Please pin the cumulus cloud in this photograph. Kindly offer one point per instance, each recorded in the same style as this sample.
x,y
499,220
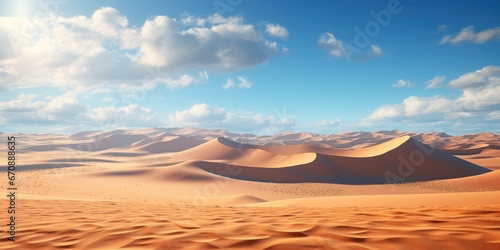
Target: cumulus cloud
x,y
204,115
489,75
467,34
130,116
228,44
435,82
402,83
276,30
241,82
477,103
27,109
104,50
66,109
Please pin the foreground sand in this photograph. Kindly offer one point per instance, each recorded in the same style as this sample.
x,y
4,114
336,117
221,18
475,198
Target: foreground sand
x,y
66,224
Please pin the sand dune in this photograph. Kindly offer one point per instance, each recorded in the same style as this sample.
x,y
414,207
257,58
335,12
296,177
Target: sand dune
x,y
399,160
188,188
167,144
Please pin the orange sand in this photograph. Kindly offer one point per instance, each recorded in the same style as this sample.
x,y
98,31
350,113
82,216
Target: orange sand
x,y
193,189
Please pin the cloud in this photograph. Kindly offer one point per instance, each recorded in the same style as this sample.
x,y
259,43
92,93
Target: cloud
x,y
130,116
204,115
27,110
495,115
442,28
489,75
242,82
276,30
339,49
402,83
435,82
477,104
183,81
66,110
105,51
467,34
324,125
375,50
193,20
332,45
228,44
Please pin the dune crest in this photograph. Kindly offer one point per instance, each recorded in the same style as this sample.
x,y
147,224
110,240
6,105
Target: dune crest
x,y
402,159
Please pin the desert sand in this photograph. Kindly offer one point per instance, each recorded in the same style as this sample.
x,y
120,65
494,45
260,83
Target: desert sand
x,y
186,188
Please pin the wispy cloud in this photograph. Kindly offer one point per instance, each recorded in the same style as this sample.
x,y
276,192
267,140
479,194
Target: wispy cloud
x,y
339,49
240,82
402,83
435,82
467,34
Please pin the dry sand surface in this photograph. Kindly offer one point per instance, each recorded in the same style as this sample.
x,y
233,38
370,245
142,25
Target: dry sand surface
x,y
210,189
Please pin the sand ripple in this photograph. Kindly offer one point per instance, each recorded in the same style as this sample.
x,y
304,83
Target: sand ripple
x,y
47,224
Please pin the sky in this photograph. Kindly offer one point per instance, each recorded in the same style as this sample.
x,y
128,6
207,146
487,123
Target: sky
x,y
261,67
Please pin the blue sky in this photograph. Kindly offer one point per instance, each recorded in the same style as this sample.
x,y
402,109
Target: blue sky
x,y
250,66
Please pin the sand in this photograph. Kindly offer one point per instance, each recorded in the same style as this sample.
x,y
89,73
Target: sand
x,y
189,188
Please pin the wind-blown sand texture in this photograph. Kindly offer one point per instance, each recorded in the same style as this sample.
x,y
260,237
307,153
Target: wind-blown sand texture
x,y
210,189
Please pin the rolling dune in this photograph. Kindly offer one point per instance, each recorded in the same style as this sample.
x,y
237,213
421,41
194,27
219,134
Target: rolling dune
x,y
400,160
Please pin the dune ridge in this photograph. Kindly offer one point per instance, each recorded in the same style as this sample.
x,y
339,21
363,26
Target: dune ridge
x,y
403,157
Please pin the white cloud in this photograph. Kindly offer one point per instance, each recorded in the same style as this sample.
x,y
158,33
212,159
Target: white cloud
x,y
108,21
198,114
229,44
376,50
489,75
435,82
26,110
229,83
327,123
105,51
242,83
478,104
402,83
495,115
276,30
332,45
339,49
193,20
467,34
385,112
204,115
183,81
130,116
66,110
